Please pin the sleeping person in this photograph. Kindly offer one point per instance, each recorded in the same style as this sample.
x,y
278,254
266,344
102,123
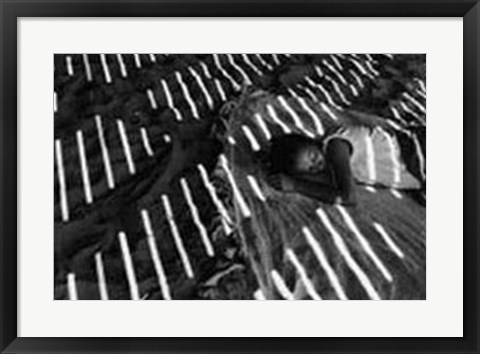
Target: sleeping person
x,y
317,169
330,168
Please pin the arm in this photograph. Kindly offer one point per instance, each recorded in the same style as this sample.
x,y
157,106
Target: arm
x,y
309,188
338,153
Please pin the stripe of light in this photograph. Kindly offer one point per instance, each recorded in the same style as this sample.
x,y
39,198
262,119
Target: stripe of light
x,y
213,194
273,114
336,62
309,92
330,100
256,188
61,180
335,71
314,84
102,282
396,114
146,141
396,193
353,89
394,158
106,71
72,287
365,244
327,110
121,64
219,66
258,295
315,119
251,138
138,62
88,70
303,275
370,189
236,191
55,102
337,89
263,62
296,119
168,94
409,110
251,65
105,155
421,93
186,94
318,71
421,159
352,264
68,59
422,85
157,262
388,240
196,217
372,69
176,236
276,59
263,126
220,90
200,83
128,264
84,167
395,125
238,68
372,172
231,140
357,78
205,70
361,68
281,286
126,146
169,98
151,99
322,258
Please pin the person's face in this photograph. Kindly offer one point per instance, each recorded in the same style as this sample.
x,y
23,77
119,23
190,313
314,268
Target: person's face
x,y
309,159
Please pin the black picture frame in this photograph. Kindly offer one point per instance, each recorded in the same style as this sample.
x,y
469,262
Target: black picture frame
x,y
12,10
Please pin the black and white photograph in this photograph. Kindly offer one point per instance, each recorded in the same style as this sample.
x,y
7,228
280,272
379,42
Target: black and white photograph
x,y
239,176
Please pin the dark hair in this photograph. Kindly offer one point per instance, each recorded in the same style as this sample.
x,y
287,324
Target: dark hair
x,y
284,150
